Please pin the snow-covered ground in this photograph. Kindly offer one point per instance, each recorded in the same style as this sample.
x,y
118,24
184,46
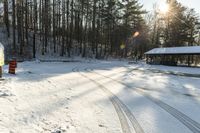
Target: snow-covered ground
x,y
99,97
184,70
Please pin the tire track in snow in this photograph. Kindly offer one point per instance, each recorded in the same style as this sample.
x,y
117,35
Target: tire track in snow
x,y
122,110
191,124
121,116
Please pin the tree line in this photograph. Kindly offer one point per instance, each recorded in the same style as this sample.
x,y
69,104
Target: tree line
x,y
98,28
90,27
180,26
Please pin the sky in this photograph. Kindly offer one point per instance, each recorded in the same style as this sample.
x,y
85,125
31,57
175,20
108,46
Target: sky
x,y
148,4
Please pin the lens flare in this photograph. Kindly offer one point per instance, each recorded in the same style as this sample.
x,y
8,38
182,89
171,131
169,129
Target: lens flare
x,y
136,34
122,46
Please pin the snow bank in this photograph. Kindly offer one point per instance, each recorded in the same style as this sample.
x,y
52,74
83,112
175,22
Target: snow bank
x,y
1,55
185,70
1,9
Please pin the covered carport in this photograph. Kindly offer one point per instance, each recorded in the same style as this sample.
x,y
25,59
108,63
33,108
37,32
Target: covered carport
x,y
173,56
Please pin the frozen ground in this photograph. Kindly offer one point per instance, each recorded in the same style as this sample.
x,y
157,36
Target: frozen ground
x,y
99,97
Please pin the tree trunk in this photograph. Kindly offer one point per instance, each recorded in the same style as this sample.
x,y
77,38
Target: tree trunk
x,y
14,21
6,20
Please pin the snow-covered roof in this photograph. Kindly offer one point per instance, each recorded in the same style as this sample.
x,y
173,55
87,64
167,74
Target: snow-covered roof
x,y
175,50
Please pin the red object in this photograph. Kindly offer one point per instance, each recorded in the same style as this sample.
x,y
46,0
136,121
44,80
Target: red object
x,y
12,66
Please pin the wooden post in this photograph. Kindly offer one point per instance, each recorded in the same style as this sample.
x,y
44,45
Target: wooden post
x,y
188,60
1,71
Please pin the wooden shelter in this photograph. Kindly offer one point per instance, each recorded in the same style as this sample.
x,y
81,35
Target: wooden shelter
x,y
174,56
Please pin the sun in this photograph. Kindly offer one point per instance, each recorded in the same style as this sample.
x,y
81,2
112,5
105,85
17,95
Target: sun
x,y
163,7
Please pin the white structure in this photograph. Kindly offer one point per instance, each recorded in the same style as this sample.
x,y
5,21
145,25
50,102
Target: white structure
x,y
191,50
1,55
174,55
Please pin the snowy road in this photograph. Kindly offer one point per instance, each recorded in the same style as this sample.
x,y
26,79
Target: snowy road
x,y
99,97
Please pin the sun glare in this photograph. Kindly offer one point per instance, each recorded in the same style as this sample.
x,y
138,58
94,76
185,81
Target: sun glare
x,y
136,34
163,7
